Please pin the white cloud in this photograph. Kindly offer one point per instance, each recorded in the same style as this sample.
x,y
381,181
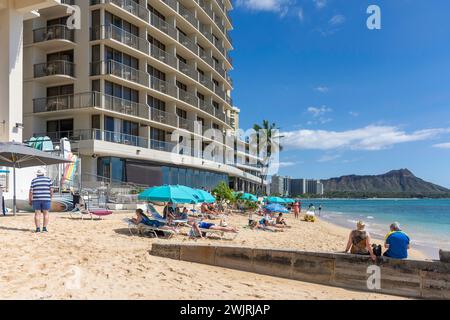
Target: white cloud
x,y
329,157
322,89
442,145
301,14
318,112
354,114
373,137
320,3
337,20
284,164
265,5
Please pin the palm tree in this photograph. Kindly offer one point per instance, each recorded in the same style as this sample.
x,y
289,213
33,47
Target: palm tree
x,y
269,132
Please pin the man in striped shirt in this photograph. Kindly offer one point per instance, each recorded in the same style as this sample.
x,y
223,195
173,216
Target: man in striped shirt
x,y
40,197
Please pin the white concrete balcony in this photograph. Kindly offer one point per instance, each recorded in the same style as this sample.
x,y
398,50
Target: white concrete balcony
x,y
57,37
52,72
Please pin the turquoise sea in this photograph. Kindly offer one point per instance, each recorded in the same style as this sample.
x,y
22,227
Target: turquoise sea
x,y
427,221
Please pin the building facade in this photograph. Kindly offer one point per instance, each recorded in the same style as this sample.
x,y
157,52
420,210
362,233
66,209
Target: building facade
x,y
280,185
305,186
142,89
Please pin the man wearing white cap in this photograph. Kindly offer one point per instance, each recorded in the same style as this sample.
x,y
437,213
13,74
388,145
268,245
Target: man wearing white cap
x,y
40,197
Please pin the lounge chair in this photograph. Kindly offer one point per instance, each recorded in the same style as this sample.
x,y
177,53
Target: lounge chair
x,y
155,232
156,216
211,232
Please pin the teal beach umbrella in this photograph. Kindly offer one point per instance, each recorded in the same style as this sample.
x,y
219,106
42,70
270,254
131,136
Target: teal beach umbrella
x,y
274,200
174,194
205,196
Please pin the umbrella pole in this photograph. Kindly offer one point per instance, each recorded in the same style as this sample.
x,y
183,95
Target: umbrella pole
x,y
14,191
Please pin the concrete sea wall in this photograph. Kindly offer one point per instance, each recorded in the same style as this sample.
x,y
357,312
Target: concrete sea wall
x,y
417,279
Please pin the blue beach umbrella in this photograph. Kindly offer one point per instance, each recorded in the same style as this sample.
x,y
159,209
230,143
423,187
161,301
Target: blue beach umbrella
x,y
275,207
174,194
289,200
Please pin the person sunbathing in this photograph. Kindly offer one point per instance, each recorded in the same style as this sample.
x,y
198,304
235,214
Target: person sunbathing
x,y
197,226
141,218
205,209
266,225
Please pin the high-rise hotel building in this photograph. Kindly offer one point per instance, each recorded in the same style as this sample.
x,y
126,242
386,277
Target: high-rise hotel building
x,y
133,73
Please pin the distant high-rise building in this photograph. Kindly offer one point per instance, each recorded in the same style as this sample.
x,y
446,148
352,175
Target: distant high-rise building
x,y
280,185
298,187
305,186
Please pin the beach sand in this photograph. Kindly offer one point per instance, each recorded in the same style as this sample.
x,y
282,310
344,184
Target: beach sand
x,y
101,260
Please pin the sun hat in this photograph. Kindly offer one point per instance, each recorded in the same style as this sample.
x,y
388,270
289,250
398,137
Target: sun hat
x,y
360,225
40,172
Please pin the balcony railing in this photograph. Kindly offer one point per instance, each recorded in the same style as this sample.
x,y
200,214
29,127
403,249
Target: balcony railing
x,y
53,68
130,6
163,26
56,32
120,70
65,102
187,70
120,35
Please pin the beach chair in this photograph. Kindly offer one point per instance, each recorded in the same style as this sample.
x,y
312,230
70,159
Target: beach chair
x,y
207,233
144,229
156,216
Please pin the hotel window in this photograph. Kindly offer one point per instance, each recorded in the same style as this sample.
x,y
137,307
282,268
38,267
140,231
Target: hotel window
x,y
201,120
116,90
156,12
181,113
216,106
111,19
216,126
200,96
95,121
216,61
96,85
157,134
182,32
216,83
181,59
63,127
156,73
156,43
63,55
118,56
156,103
96,19
216,39
60,90
181,86
201,72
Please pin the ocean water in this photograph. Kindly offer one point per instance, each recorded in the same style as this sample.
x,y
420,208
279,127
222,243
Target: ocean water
x,y
426,221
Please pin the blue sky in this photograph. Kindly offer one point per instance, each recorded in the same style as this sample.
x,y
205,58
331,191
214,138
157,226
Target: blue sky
x,y
349,100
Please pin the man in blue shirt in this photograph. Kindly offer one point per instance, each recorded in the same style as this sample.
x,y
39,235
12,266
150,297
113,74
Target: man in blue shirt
x,y
397,243
40,197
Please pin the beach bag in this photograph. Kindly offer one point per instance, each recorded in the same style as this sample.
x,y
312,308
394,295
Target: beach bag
x,y
377,251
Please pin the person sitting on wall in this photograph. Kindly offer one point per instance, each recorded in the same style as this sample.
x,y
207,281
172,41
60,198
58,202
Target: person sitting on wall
x,y
359,241
397,243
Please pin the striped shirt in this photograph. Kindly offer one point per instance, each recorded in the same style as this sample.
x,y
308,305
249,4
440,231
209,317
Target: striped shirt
x,y
40,188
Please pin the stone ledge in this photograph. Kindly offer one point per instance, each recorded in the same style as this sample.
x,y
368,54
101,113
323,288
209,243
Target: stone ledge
x,y
410,278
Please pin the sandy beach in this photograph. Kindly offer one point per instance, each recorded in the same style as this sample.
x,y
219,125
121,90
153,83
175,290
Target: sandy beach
x,y
101,260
